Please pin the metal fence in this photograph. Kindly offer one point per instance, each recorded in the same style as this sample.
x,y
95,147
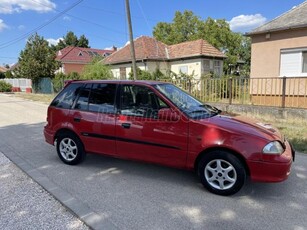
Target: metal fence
x,y
285,92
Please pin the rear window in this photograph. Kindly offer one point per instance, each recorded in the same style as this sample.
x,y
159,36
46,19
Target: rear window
x,y
67,96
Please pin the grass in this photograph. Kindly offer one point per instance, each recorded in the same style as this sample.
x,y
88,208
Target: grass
x,y
295,129
45,98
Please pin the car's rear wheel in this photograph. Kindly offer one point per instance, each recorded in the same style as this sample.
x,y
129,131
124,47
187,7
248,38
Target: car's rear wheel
x,y
221,173
70,149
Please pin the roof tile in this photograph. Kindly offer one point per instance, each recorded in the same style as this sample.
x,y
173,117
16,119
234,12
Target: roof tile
x,y
147,48
79,54
294,18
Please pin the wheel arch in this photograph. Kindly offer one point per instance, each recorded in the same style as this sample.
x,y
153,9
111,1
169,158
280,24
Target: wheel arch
x,y
62,131
232,152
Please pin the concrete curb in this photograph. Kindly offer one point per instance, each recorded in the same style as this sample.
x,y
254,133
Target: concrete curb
x,y
76,206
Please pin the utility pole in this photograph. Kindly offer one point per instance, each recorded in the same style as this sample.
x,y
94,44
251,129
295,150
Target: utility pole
x,y
131,40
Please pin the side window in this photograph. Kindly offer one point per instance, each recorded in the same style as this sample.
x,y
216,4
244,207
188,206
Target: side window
x,y
82,101
67,96
140,101
102,98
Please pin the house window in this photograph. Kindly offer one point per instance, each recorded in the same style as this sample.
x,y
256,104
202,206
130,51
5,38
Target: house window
x,y
122,73
206,66
293,63
183,69
304,62
217,68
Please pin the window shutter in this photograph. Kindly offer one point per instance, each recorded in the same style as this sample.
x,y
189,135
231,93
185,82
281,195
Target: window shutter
x,y
290,64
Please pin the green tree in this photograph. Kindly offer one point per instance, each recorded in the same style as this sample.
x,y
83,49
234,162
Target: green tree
x,y
9,74
83,42
70,39
185,27
188,27
37,60
96,70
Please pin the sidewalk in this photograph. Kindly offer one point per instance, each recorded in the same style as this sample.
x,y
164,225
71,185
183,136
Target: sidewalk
x,y
24,204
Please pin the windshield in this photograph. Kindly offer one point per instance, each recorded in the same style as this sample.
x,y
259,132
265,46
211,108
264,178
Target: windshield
x,y
186,103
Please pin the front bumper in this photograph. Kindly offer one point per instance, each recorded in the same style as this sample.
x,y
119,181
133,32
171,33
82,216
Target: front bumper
x,y
275,170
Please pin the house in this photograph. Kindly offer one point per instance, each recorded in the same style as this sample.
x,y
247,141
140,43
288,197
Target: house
x,y
279,49
193,58
73,59
3,69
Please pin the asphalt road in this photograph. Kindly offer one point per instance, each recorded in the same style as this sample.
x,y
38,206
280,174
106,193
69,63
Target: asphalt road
x,y
109,193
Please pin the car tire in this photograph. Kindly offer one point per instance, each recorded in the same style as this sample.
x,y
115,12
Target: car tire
x,y
221,173
70,149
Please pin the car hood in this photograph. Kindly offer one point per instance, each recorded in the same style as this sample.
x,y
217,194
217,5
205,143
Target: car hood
x,y
245,125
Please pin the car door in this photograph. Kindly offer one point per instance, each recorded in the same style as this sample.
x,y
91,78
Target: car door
x,y
141,135
93,117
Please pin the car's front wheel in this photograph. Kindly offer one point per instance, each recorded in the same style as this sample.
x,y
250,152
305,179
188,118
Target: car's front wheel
x,y
221,173
70,149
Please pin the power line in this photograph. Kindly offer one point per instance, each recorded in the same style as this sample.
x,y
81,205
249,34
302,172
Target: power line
x,y
8,57
116,13
9,43
81,19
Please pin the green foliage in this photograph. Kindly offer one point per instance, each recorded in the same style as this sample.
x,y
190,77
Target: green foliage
x,y
37,60
70,39
185,27
73,76
5,87
96,70
146,75
58,81
2,75
141,74
83,42
188,27
9,74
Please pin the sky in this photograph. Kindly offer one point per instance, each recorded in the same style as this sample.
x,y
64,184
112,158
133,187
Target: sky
x,y
104,22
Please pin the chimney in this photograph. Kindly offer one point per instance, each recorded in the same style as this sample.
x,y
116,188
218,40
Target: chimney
x,y
114,48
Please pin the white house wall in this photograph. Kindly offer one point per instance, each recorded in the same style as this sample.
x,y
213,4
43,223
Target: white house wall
x,y
193,65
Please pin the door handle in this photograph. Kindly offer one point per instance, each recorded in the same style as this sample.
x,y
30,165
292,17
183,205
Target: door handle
x,y
77,119
126,125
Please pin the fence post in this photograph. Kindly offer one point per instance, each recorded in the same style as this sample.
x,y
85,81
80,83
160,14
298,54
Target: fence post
x,y
283,96
230,90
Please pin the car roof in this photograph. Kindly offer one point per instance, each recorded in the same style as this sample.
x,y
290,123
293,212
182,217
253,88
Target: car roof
x,y
138,82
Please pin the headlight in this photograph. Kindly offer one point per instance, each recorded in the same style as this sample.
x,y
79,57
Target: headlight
x,y
273,147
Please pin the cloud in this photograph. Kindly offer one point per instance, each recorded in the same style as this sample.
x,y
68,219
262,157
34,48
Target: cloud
x,y
21,27
244,23
2,25
17,6
53,41
66,18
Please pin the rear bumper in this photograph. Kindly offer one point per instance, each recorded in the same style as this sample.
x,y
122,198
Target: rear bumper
x,y
49,135
276,170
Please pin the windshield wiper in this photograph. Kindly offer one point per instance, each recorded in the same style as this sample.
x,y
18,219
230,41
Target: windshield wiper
x,y
198,111
211,108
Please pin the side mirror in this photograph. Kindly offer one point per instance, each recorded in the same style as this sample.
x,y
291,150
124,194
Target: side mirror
x,y
168,115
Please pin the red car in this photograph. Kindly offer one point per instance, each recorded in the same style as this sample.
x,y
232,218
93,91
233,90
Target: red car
x,y
159,123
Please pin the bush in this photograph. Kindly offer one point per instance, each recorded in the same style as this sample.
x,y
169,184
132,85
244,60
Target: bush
x,y
60,78
58,82
5,87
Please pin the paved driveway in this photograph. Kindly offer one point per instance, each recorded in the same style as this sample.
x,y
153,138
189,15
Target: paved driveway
x,y
110,193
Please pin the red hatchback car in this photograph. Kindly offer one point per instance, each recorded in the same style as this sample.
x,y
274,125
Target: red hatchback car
x,y
159,123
